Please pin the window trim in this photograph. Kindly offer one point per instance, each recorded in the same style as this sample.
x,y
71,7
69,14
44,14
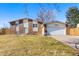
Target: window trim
x,y
35,27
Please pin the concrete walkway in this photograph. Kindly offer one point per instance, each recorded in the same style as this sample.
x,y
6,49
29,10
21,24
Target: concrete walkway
x,y
69,40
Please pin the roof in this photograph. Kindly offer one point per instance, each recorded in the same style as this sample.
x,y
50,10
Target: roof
x,y
20,19
26,19
56,22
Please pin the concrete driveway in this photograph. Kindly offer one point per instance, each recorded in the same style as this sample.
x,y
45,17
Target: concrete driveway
x,y
69,40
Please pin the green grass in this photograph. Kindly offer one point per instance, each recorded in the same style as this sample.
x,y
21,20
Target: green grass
x,y
31,45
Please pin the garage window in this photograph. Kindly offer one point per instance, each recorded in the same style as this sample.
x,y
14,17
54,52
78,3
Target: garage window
x,y
56,24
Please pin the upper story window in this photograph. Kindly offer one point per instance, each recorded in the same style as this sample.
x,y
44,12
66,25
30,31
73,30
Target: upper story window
x,y
34,25
17,23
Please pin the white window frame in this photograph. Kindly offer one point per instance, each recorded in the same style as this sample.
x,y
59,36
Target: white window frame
x,y
35,28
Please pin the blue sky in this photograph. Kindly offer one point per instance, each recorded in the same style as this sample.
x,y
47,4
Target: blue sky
x,y
9,11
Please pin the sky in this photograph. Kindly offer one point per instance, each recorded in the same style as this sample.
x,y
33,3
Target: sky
x,y
15,11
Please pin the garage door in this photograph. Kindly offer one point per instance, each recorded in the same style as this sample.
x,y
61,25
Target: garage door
x,y
56,31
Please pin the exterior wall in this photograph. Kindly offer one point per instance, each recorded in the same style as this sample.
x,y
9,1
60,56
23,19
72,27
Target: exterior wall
x,y
40,28
24,23
37,30
26,26
12,28
30,27
21,28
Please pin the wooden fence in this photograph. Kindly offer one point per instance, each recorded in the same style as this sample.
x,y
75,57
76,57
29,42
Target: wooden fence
x,y
72,31
5,31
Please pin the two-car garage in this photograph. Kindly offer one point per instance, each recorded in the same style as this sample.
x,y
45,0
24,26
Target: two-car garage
x,y
56,28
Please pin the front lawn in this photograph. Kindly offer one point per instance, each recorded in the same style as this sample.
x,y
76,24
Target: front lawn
x,y
33,45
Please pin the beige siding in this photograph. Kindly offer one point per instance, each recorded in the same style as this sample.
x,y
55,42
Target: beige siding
x,y
72,31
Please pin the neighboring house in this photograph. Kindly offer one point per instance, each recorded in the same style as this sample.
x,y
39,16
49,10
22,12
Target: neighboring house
x,y
27,26
56,28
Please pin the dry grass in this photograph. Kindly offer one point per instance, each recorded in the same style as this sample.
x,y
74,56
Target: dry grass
x,y
32,45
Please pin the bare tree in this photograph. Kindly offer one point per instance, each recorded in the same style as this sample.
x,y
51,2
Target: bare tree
x,y
50,16
41,15
45,14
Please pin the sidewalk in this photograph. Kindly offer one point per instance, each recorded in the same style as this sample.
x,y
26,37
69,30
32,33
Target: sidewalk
x,y
69,40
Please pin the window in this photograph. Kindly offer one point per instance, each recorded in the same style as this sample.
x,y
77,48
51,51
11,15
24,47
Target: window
x,y
34,25
17,24
56,24
25,24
